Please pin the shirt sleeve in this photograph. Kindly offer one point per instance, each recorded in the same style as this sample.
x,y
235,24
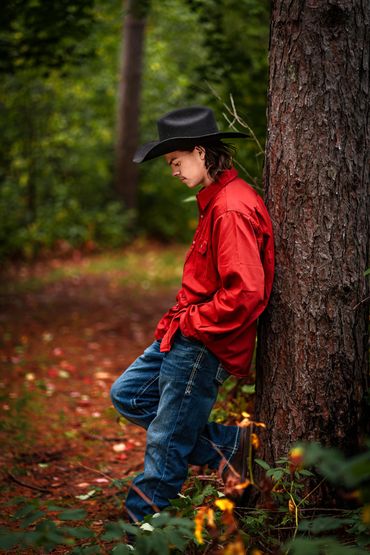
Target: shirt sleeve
x,y
240,299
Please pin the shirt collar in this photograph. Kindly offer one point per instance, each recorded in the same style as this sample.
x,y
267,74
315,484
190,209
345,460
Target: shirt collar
x,y
206,194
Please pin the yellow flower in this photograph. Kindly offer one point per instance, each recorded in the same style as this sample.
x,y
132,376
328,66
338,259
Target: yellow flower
x,y
225,504
235,548
366,515
211,518
291,506
243,485
255,440
198,521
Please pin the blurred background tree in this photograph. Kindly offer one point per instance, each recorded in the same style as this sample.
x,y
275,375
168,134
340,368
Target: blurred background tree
x,y
60,70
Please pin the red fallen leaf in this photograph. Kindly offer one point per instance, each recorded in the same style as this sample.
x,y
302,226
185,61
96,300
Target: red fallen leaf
x,y
121,457
94,346
53,372
67,366
84,402
58,352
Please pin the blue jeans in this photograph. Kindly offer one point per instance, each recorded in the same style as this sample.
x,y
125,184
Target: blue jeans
x,y
171,395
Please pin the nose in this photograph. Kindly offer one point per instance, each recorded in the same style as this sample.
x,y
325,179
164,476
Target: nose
x,y
175,172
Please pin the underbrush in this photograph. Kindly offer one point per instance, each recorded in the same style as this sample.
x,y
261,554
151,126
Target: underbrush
x,y
203,520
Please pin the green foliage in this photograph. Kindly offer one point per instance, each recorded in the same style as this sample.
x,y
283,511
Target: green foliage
x,y
45,533
288,525
58,107
352,473
235,37
40,527
43,35
322,546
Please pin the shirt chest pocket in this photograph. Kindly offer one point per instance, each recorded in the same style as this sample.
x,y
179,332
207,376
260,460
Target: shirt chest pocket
x,y
202,247
202,261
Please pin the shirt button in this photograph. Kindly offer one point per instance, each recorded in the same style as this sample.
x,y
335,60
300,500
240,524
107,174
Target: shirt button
x,y
193,243
202,216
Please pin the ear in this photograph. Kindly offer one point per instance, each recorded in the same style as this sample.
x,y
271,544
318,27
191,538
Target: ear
x,y
201,151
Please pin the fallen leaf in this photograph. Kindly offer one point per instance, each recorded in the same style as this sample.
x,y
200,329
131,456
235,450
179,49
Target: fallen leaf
x,y
119,447
67,366
86,495
103,375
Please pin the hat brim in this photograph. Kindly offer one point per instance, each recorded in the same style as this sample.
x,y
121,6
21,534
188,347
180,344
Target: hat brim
x,y
154,149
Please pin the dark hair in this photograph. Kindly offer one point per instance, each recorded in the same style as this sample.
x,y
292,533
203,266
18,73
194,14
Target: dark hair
x,y
218,155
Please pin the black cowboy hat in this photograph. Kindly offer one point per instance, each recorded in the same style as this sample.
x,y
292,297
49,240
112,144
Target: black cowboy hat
x,y
182,128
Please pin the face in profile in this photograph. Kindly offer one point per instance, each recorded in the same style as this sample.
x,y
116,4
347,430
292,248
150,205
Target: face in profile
x,y
189,167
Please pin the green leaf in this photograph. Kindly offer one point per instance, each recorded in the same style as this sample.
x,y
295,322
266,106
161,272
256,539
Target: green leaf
x,y
115,530
176,538
8,540
275,473
305,472
87,550
122,549
31,518
249,389
208,490
25,511
78,532
72,514
324,524
263,464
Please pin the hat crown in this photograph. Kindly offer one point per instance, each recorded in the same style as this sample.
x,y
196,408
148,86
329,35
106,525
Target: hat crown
x,y
195,121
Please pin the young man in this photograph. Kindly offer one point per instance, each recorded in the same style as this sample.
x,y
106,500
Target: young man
x,y
210,332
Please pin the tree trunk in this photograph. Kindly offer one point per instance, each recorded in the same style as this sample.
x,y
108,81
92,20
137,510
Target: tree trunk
x,y
127,172
312,350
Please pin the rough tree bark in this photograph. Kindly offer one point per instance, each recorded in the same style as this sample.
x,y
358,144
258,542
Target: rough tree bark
x,y
312,351
127,172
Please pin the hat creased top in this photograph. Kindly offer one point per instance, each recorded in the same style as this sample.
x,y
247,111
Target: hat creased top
x,y
195,122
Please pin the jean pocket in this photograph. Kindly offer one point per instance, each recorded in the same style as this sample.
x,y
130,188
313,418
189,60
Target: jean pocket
x,y
221,375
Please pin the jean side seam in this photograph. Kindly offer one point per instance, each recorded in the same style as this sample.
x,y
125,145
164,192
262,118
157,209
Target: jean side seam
x,y
167,452
195,369
197,362
236,444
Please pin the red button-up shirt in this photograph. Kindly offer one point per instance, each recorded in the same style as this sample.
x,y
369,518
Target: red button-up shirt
x,y
228,274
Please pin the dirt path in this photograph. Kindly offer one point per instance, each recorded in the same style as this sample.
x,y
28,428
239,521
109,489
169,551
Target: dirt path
x,y
62,345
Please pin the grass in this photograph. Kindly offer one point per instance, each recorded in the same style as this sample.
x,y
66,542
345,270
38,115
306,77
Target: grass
x,y
139,265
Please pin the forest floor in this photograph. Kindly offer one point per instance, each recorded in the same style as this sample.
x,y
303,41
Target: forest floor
x,y
68,328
